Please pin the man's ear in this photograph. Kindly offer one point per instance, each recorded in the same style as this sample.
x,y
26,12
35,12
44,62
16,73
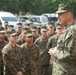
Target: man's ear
x,y
69,14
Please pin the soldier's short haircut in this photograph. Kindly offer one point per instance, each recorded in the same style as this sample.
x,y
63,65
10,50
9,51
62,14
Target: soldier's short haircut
x,y
34,27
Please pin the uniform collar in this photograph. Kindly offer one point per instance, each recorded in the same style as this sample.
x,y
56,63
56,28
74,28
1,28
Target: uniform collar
x,y
69,25
28,47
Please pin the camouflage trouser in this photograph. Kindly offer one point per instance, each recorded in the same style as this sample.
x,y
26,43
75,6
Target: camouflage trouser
x,y
44,70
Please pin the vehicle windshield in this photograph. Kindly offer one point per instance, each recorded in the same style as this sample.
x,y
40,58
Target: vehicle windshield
x,y
39,19
34,19
9,19
52,18
44,19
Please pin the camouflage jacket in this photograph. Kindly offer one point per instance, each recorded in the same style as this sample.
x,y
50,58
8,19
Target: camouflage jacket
x,y
52,42
20,41
12,58
65,55
41,43
2,44
31,55
43,60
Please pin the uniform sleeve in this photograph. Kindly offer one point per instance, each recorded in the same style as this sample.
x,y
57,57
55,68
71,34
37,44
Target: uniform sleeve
x,y
11,63
37,41
64,47
49,44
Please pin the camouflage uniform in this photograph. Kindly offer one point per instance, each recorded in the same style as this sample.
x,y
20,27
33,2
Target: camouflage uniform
x,y
50,35
52,42
65,51
43,63
2,44
20,41
65,55
18,33
19,25
41,43
35,37
12,59
31,55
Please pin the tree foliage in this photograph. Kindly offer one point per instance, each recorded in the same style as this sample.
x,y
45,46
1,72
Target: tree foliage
x,y
34,6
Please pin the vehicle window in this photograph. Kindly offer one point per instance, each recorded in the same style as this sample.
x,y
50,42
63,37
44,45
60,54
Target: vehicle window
x,y
23,20
9,19
34,19
38,19
26,18
52,18
44,19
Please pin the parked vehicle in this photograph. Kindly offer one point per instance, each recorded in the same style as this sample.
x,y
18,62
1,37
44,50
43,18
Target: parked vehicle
x,y
23,19
42,20
37,19
9,17
51,16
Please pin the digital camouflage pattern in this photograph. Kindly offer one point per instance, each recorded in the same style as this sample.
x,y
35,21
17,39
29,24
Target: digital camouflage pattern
x,y
41,43
2,44
20,41
43,60
35,37
63,8
12,59
52,42
50,35
18,33
31,55
65,55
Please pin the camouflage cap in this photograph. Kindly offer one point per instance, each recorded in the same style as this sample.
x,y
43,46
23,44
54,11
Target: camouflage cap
x,y
33,30
14,34
44,30
28,33
19,24
58,26
2,30
11,26
11,33
39,26
63,8
26,26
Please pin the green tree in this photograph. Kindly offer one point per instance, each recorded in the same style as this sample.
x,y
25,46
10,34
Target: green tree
x,y
34,6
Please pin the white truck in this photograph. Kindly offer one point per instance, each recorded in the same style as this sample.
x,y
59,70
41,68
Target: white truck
x,y
9,17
